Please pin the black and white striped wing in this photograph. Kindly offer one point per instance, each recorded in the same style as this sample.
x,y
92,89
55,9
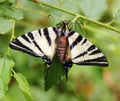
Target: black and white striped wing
x,y
38,43
84,52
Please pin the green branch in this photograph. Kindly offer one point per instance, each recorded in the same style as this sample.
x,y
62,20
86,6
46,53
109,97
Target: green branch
x,y
79,16
12,36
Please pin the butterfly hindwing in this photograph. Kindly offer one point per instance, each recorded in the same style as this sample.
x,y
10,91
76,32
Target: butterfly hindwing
x,y
38,43
84,52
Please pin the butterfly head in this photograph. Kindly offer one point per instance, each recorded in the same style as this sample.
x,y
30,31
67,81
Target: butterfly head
x,y
63,28
65,24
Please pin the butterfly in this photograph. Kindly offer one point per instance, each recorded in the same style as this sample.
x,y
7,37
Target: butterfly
x,y
70,47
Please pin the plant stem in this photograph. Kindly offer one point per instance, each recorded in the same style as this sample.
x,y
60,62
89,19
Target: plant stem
x,y
12,36
13,71
80,16
13,30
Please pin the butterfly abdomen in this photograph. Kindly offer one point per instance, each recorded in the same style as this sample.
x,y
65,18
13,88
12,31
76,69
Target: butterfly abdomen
x,y
61,47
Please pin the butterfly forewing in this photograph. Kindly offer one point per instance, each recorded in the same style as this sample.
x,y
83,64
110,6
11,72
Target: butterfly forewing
x,y
84,52
37,43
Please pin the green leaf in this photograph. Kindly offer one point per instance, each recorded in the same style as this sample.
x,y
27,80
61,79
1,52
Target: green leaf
x,y
93,8
9,10
2,1
6,64
14,13
5,26
54,74
24,86
116,15
78,28
1,88
12,1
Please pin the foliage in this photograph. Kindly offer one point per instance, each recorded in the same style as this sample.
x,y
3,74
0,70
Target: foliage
x,y
6,64
116,15
54,74
84,84
5,26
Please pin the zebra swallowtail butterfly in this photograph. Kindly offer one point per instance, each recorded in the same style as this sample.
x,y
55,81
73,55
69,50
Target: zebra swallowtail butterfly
x,y
70,47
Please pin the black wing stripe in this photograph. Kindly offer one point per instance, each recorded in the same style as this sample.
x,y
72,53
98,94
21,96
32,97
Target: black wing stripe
x,y
76,41
81,54
71,33
39,31
46,33
38,46
91,48
85,40
25,38
18,43
100,59
23,50
94,63
95,52
55,30
30,35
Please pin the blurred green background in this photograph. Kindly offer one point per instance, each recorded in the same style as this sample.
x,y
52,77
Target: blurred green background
x,y
85,83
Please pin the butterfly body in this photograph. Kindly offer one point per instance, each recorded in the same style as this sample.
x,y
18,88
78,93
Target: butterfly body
x,y
70,47
61,47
